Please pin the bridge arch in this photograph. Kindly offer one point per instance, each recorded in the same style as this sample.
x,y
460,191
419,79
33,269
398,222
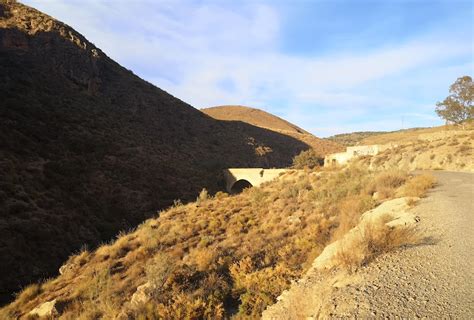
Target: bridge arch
x,y
239,186
237,179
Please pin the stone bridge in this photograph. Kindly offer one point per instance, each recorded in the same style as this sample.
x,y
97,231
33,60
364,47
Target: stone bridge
x,y
237,179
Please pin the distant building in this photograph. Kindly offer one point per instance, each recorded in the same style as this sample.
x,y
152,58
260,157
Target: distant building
x,y
352,152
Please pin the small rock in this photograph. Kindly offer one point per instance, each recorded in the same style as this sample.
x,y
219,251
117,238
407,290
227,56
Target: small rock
x,y
294,220
142,295
66,268
47,309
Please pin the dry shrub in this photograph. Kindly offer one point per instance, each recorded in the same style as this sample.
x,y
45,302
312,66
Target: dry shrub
x,y
181,306
157,272
98,284
149,238
221,195
203,196
381,158
386,183
387,180
257,196
465,149
256,288
418,186
93,298
308,159
83,257
350,210
349,257
375,238
411,202
453,142
29,293
204,258
380,238
215,285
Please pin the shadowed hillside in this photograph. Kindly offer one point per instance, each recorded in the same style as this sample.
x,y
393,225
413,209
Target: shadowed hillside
x,y
88,149
269,121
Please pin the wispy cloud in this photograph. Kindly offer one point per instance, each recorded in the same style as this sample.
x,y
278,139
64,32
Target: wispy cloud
x,y
218,53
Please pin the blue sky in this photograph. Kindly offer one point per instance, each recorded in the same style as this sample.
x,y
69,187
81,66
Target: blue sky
x,y
328,66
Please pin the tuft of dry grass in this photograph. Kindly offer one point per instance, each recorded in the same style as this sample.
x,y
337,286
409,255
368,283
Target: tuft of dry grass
x,y
158,270
386,183
453,142
203,196
28,293
465,149
418,186
349,215
375,238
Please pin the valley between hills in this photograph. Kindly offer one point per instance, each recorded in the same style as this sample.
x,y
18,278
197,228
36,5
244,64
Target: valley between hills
x,y
113,202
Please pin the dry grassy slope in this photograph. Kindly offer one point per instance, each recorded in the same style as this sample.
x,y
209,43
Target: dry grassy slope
x,y
380,137
353,138
88,149
204,258
406,135
266,120
425,149
253,116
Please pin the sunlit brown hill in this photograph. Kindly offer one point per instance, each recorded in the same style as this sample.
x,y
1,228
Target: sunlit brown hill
x,y
253,116
87,148
266,120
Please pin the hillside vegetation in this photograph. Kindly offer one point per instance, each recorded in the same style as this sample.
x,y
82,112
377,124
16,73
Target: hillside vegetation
x,y
427,149
383,137
219,256
87,148
269,121
353,138
407,135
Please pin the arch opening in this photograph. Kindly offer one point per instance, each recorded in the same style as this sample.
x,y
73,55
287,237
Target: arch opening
x,y
239,186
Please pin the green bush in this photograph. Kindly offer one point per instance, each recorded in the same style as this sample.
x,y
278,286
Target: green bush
x,y
308,158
